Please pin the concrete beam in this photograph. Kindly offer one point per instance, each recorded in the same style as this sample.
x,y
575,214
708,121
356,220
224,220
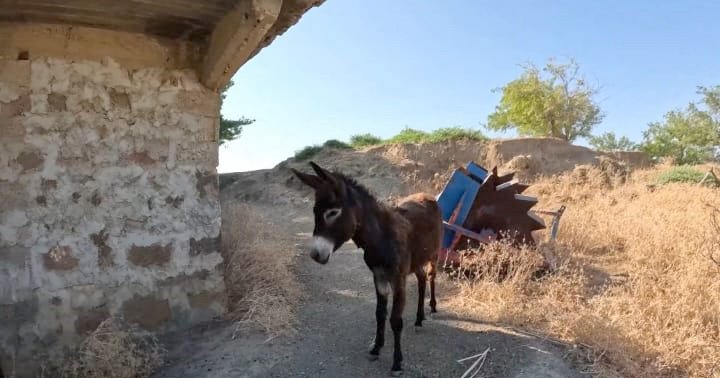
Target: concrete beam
x,y
290,14
72,42
236,38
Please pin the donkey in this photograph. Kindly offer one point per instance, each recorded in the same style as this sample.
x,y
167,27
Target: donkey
x,y
395,241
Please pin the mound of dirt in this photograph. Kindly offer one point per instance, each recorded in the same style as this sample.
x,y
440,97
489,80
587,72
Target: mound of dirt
x,y
534,157
395,170
428,166
278,187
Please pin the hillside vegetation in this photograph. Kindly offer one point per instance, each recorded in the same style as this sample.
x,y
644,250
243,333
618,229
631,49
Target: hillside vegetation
x,y
407,135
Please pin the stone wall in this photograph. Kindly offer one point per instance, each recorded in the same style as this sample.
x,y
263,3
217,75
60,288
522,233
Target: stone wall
x,y
109,201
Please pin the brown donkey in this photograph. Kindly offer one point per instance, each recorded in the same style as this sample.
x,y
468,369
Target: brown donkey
x,y
396,242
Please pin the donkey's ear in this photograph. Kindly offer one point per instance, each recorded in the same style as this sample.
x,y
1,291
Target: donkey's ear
x,y
323,174
309,180
328,177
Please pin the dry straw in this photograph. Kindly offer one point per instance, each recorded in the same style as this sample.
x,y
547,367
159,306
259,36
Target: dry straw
x,y
262,290
114,350
635,281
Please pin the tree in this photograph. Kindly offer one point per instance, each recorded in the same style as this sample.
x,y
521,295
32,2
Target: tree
x,y
560,105
689,136
230,129
610,143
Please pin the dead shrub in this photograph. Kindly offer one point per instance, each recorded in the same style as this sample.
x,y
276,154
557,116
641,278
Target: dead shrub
x,y
262,290
631,283
114,350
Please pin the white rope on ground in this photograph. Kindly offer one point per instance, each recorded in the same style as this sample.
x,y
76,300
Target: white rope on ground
x,y
476,366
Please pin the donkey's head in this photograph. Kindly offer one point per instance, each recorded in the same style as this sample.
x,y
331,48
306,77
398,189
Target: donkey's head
x,y
334,209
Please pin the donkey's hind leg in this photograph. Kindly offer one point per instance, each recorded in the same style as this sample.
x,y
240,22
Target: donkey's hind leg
x,y
422,280
432,272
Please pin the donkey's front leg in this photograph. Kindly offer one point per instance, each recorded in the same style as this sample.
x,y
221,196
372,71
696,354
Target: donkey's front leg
x,y
396,323
382,290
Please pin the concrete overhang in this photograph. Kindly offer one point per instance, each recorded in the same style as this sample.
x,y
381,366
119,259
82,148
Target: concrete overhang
x,y
214,37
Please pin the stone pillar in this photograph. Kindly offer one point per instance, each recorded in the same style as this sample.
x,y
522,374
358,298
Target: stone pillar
x,y
109,192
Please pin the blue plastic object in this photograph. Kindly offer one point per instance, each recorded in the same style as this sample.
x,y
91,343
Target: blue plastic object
x,y
459,193
477,170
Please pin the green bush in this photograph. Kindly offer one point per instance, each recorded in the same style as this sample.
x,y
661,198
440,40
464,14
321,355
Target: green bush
x,y
307,152
336,144
683,175
310,151
453,133
365,140
408,135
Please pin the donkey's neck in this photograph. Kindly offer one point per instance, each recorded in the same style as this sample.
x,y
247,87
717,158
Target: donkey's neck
x,y
372,226
375,232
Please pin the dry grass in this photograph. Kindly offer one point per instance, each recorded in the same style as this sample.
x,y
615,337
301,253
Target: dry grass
x,y
262,290
634,282
114,350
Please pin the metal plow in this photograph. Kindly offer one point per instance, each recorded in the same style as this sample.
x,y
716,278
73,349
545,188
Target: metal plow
x,y
479,206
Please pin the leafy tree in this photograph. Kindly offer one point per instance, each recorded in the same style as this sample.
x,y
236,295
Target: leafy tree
x,y
558,104
688,136
610,143
230,129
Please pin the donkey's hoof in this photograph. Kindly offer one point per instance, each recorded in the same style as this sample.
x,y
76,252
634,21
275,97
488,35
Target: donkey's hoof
x,y
418,323
373,354
396,373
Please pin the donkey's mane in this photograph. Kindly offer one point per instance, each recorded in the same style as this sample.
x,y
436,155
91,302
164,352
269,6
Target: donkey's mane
x,y
359,188
387,213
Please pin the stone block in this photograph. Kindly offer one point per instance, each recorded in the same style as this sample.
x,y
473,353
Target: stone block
x,y
207,184
206,104
156,254
148,312
15,107
197,153
105,257
119,100
14,256
15,72
30,160
57,102
14,195
140,158
88,320
60,258
47,184
204,299
204,246
11,127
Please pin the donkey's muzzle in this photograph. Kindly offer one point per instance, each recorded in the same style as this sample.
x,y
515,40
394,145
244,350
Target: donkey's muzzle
x,y
316,256
321,249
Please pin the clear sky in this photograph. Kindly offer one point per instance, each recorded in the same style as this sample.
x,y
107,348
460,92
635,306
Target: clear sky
x,y
359,66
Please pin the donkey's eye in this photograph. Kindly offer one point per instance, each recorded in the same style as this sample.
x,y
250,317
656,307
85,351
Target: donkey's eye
x,y
331,215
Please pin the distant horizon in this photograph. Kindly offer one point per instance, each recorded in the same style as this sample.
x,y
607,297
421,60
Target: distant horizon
x,y
429,66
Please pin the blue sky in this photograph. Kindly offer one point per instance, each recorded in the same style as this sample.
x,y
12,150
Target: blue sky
x,y
358,66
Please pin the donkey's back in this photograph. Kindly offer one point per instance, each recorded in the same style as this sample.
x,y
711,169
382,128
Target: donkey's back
x,y
425,233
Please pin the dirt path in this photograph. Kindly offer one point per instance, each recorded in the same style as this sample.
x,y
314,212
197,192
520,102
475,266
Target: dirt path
x,y
336,327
